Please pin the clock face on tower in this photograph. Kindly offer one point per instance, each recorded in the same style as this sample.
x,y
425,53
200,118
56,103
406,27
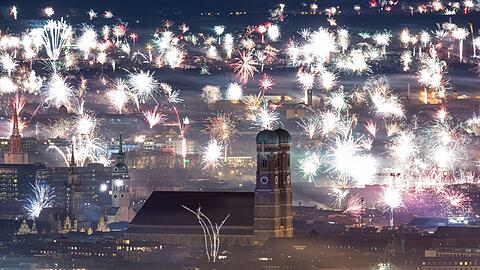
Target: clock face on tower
x,y
264,180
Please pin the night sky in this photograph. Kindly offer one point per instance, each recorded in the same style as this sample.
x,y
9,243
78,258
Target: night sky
x,y
168,6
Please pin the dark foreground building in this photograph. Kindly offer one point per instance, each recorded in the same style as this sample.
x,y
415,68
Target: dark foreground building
x,y
253,217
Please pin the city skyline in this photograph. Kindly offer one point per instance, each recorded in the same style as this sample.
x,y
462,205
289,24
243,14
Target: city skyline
x,y
224,135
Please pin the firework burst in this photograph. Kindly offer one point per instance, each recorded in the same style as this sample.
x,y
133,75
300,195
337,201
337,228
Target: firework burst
x,y
142,86
42,197
154,117
58,91
212,155
245,66
55,36
354,206
310,166
211,94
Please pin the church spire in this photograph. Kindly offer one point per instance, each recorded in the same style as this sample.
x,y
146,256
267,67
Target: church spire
x,y
120,154
72,157
15,154
15,138
120,144
15,130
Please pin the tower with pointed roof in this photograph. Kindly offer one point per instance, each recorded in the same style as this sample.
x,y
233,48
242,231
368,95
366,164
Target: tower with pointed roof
x,y
73,196
15,153
121,209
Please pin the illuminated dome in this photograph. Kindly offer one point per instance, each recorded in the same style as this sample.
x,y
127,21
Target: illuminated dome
x,y
267,137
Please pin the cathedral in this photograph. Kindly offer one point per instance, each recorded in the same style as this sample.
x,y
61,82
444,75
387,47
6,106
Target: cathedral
x,y
253,217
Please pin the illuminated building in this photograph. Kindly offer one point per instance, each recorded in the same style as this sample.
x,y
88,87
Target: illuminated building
x,y
15,153
254,217
93,199
73,194
121,209
15,180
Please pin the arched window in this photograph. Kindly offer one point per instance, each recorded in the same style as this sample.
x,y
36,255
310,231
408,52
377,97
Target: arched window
x,y
264,162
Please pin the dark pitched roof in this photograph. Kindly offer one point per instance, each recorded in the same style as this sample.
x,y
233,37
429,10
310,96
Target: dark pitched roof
x,y
428,221
452,232
164,208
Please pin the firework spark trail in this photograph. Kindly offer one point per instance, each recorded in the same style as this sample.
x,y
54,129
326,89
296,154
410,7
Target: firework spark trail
x,y
455,198
212,155
266,83
8,63
404,148
338,193
384,102
222,127
211,233
119,96
371,127
383,40
311,125
354,206
142,86
350,162
58,91
172,98
61,128
55,36
88,146
154,117
392,199
432,75
310,166
42,197
245,66
460,34
266,117
428,155
234,92
406,59
18,103
87,41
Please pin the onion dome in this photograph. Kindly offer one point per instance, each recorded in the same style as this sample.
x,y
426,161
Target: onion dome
x,y
283,136
267,137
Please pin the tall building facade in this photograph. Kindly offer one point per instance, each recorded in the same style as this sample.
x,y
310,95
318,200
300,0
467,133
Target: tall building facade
x,y
15,187
73,193
121,209
91,195
15,153
273,192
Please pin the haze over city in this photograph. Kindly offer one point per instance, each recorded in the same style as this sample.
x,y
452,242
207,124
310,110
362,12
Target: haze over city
x,y
232,134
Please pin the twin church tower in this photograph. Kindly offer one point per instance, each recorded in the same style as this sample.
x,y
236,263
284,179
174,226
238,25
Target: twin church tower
x,y
273,192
